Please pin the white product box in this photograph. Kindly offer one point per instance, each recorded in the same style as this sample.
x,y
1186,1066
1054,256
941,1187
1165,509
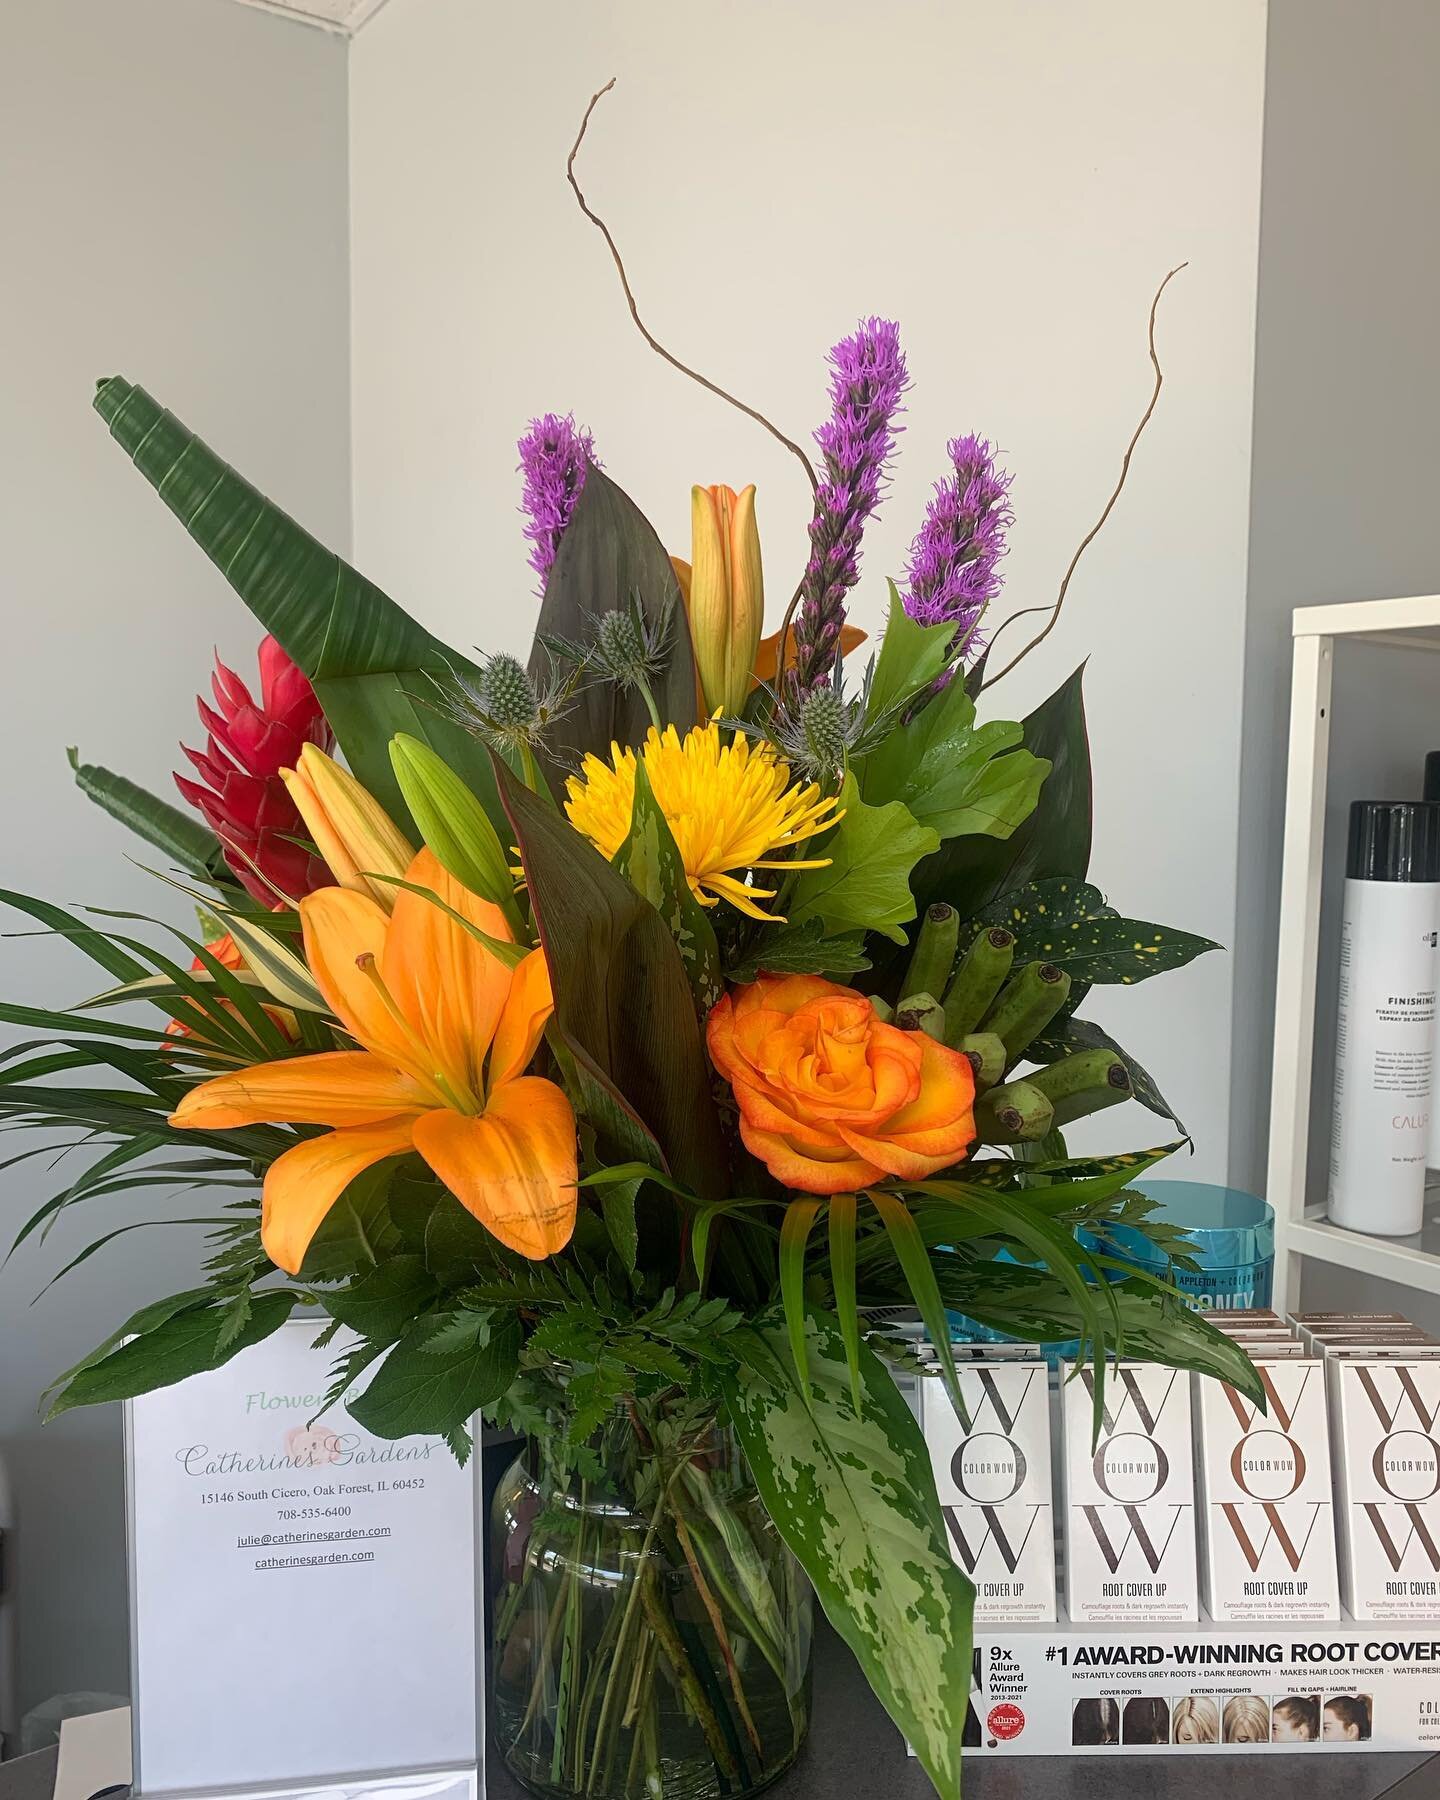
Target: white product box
x,y
1269,1519
1130,1529
994,1482
1387,1467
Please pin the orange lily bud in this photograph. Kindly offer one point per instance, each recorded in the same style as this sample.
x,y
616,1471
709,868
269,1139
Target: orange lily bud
x,y
352,831
725,594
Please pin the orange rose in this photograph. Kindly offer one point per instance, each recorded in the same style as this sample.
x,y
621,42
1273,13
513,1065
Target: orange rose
x,y
830,1097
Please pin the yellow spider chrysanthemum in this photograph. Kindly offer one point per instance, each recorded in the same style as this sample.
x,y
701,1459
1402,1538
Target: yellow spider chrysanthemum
x,y
729,806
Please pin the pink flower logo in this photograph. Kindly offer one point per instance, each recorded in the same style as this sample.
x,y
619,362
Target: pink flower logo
x,y
310,1446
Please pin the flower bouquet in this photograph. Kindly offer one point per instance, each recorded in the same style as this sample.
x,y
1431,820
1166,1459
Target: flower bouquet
x,y
609,1045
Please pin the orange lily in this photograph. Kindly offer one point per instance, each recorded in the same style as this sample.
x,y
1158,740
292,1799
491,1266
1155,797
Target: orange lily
x,y
446,1030
767,655
724,592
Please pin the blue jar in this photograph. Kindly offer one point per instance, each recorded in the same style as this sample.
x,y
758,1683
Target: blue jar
x,y
1232,1238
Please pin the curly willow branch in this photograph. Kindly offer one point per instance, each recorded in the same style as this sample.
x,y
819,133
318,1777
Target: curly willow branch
x,y
1098,526
640,325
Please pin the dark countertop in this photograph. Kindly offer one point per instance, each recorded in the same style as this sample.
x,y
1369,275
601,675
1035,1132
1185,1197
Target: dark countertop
x,y
854,1751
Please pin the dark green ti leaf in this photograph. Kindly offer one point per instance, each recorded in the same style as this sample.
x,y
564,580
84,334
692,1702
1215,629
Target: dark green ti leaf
x,y
608,556
623,1003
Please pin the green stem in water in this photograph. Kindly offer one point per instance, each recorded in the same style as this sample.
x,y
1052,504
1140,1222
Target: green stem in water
x,y
667,1632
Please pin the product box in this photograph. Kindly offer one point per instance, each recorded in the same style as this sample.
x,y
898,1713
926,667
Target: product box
x,y
1387,1468
1130,1547
994,1482
1268,1538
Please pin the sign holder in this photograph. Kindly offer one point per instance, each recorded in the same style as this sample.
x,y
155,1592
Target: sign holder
x,y
296,1668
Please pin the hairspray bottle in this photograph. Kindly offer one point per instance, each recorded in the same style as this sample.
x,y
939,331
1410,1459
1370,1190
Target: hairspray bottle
x,y
1380,1128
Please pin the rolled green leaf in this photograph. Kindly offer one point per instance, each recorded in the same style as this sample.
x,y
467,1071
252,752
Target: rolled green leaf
x,y
1084,1083
375,670
934,953
1027,1004
453,823
987,1057
983,971
1014,1113
921,1012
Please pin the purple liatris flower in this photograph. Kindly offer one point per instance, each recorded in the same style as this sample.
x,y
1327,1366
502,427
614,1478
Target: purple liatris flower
x,y
867,378
554,455
951,575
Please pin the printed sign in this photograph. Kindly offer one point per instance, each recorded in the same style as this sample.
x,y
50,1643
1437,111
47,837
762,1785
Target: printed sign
x,y
1315,1691
994,1484
1129,1497
302,1593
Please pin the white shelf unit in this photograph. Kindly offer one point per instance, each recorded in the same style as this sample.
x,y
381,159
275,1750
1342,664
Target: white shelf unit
x,y
1409,624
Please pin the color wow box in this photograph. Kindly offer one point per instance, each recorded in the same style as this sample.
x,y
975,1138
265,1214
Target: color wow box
x,y
994,1485
1130,1502
1387,1469
1269,1533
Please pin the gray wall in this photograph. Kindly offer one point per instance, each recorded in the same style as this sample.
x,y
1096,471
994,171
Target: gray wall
x,y
173,207
1345,462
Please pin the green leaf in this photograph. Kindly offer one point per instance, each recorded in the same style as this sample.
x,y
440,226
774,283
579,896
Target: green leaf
x,y
617,1208
794,1236
1000,1174
185,1343
386,1301
148,1317
801,950
914,1260
415,1393
280,970
851,1491
1068,923
867,884
608,556
652,865
969,872
176,834
375,671
623,1003
841,1220
911,656
1067,1035
954,775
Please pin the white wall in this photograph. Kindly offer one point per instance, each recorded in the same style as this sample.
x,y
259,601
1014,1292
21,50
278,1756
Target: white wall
x,y
1010,183
173,208
1346,447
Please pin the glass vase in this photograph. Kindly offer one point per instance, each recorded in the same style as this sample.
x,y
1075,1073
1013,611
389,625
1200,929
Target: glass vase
x,y
652,1633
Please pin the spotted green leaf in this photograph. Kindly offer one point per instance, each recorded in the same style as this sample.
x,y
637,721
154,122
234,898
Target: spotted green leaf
x,y
650,860
852,1493
1067,923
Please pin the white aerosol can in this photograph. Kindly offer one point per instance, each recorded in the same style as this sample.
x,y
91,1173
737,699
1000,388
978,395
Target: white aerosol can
x,y
1385,1031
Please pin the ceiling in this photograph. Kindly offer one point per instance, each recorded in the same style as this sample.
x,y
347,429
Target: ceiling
x,y
331,15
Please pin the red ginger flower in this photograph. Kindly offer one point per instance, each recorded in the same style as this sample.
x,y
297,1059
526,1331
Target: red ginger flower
x,y
240,792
